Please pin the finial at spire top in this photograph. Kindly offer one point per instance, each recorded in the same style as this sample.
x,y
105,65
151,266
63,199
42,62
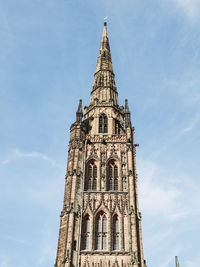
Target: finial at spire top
x,y
105,21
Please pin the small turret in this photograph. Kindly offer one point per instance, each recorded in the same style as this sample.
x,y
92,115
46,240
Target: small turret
x,y
127,114
79,113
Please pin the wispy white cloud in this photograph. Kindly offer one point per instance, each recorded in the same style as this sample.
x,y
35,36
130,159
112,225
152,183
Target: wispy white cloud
x,y
4,162
17,153
156,192
47,249
48,195
167,202
17,240
194,262
190,7
4,261
170,258
158,189
190,126
21,154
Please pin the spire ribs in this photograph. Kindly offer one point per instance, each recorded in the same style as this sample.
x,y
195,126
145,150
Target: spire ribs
x,y
104,88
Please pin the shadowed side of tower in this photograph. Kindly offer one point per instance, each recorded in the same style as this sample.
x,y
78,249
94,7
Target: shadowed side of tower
x,y
100,223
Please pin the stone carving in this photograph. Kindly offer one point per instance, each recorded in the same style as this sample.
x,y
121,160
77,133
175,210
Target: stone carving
x,y
123,171
123,156
111,203
93,150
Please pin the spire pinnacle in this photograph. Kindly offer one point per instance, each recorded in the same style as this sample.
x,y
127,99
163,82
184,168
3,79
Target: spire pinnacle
x,y
176,260
127,114
79,113
126,106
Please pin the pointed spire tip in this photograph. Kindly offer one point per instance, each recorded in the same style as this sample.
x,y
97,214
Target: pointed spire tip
x,y
105,21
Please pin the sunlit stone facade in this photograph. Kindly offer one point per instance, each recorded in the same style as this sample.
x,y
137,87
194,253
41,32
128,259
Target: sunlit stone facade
x,y
100,224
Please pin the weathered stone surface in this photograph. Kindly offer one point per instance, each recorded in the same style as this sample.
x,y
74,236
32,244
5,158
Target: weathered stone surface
x,y
100,224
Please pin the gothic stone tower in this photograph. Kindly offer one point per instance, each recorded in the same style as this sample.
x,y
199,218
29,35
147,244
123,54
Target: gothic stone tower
x,y
100,223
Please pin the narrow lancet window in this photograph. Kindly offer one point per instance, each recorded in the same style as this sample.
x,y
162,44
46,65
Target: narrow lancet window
x,y
86,232
101,232
103,124
112,177
117,127
115,233
91,176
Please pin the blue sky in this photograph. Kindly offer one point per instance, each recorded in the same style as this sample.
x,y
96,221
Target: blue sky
x,y
48,54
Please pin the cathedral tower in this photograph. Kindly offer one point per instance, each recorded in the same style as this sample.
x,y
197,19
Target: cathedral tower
x,y
100,224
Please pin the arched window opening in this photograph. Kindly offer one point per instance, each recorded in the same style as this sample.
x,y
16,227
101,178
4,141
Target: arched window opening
x,y
117,127
110,185
115,184
112,177
89,184
101,232
95,171
90,171
110,171
91,176
103,124
85,232
115,233
115,171
94,185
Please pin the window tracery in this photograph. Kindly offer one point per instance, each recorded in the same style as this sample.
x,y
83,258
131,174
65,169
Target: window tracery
x,y
115,233
103,124
112,177
85,232
117,127
101,232
91,176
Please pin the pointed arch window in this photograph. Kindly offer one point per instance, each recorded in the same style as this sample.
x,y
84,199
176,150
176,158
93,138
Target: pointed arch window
x,y
103,124
91,176
85,232
115,233
117,127
112,177
101,232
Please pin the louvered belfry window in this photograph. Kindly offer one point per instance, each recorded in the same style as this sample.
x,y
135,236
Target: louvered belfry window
x,y
103,124
91,176
112,177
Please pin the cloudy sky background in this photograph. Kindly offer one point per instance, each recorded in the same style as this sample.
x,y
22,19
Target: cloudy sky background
x,y
48,53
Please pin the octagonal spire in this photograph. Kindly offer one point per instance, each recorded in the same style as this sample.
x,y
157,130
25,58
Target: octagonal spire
x,y
104,88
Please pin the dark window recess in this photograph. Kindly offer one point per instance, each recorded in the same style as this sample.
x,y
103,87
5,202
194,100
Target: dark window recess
x,y
117,127
103,124
74,245
115,233
91,177
85,233
112,177
101,232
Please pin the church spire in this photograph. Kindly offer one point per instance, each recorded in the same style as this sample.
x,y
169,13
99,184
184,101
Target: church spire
x,y
104,61
104,89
